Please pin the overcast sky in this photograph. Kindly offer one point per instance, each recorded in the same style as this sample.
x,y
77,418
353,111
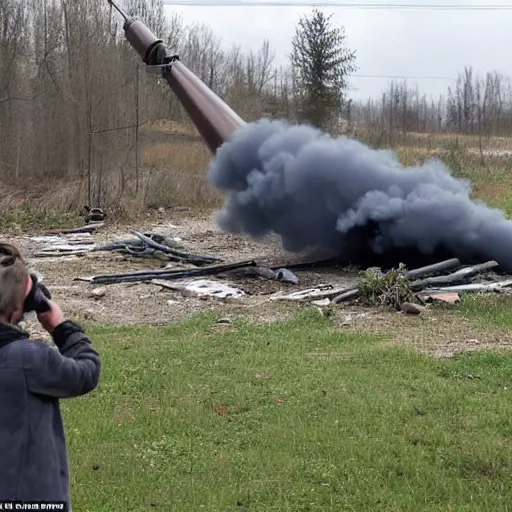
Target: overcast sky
x,y
414,43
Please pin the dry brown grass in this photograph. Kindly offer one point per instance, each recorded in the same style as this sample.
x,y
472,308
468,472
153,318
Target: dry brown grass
x,y
172,174
470,141
186,156
52,196
174,163
493,192
437,140
177,175
170,127
441,332
489,172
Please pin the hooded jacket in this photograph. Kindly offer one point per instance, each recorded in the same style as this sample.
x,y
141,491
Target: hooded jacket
x,y
33,377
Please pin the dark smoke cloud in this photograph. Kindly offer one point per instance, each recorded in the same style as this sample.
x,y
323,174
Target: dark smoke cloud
x,y
317,191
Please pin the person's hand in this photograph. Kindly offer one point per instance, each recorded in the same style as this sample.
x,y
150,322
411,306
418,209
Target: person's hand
x,y
52,318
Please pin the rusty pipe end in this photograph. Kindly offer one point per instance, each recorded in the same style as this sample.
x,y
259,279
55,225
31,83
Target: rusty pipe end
x,y
151,49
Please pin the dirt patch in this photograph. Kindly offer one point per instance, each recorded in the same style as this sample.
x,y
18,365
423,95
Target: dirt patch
x,y
437,332
141,303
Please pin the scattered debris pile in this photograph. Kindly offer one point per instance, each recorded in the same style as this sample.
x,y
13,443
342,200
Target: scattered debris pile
x,y
141,276
242,268
209,276
157,246
401,288
72,244
144,245
66,241
202,288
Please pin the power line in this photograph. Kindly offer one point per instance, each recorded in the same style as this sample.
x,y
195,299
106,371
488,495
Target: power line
x,y
117,128
403,77
339,4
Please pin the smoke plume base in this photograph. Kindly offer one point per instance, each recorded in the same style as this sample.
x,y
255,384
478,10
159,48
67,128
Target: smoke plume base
x,y
316,191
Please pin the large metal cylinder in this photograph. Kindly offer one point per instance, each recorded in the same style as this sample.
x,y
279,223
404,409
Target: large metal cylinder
x,y
213,118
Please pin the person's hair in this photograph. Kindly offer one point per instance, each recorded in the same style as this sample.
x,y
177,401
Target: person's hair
x,y
13,282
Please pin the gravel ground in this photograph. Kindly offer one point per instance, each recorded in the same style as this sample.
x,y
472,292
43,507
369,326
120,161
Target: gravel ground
x,y
141,303
435,332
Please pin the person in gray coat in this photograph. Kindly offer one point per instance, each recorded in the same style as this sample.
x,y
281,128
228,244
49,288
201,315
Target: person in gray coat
x,y
34,376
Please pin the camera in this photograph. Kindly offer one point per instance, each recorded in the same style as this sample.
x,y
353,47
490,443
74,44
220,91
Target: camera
x,y
38,298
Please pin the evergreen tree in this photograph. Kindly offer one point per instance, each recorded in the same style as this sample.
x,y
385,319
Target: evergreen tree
x,y
321,63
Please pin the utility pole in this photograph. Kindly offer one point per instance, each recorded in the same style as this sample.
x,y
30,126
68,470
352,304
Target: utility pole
x,y
137,132
89,152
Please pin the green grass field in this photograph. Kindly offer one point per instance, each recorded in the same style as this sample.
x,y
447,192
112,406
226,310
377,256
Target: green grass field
x,y
297,416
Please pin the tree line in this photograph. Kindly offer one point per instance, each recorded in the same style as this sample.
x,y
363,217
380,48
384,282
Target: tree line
x,y
73,92
473,105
